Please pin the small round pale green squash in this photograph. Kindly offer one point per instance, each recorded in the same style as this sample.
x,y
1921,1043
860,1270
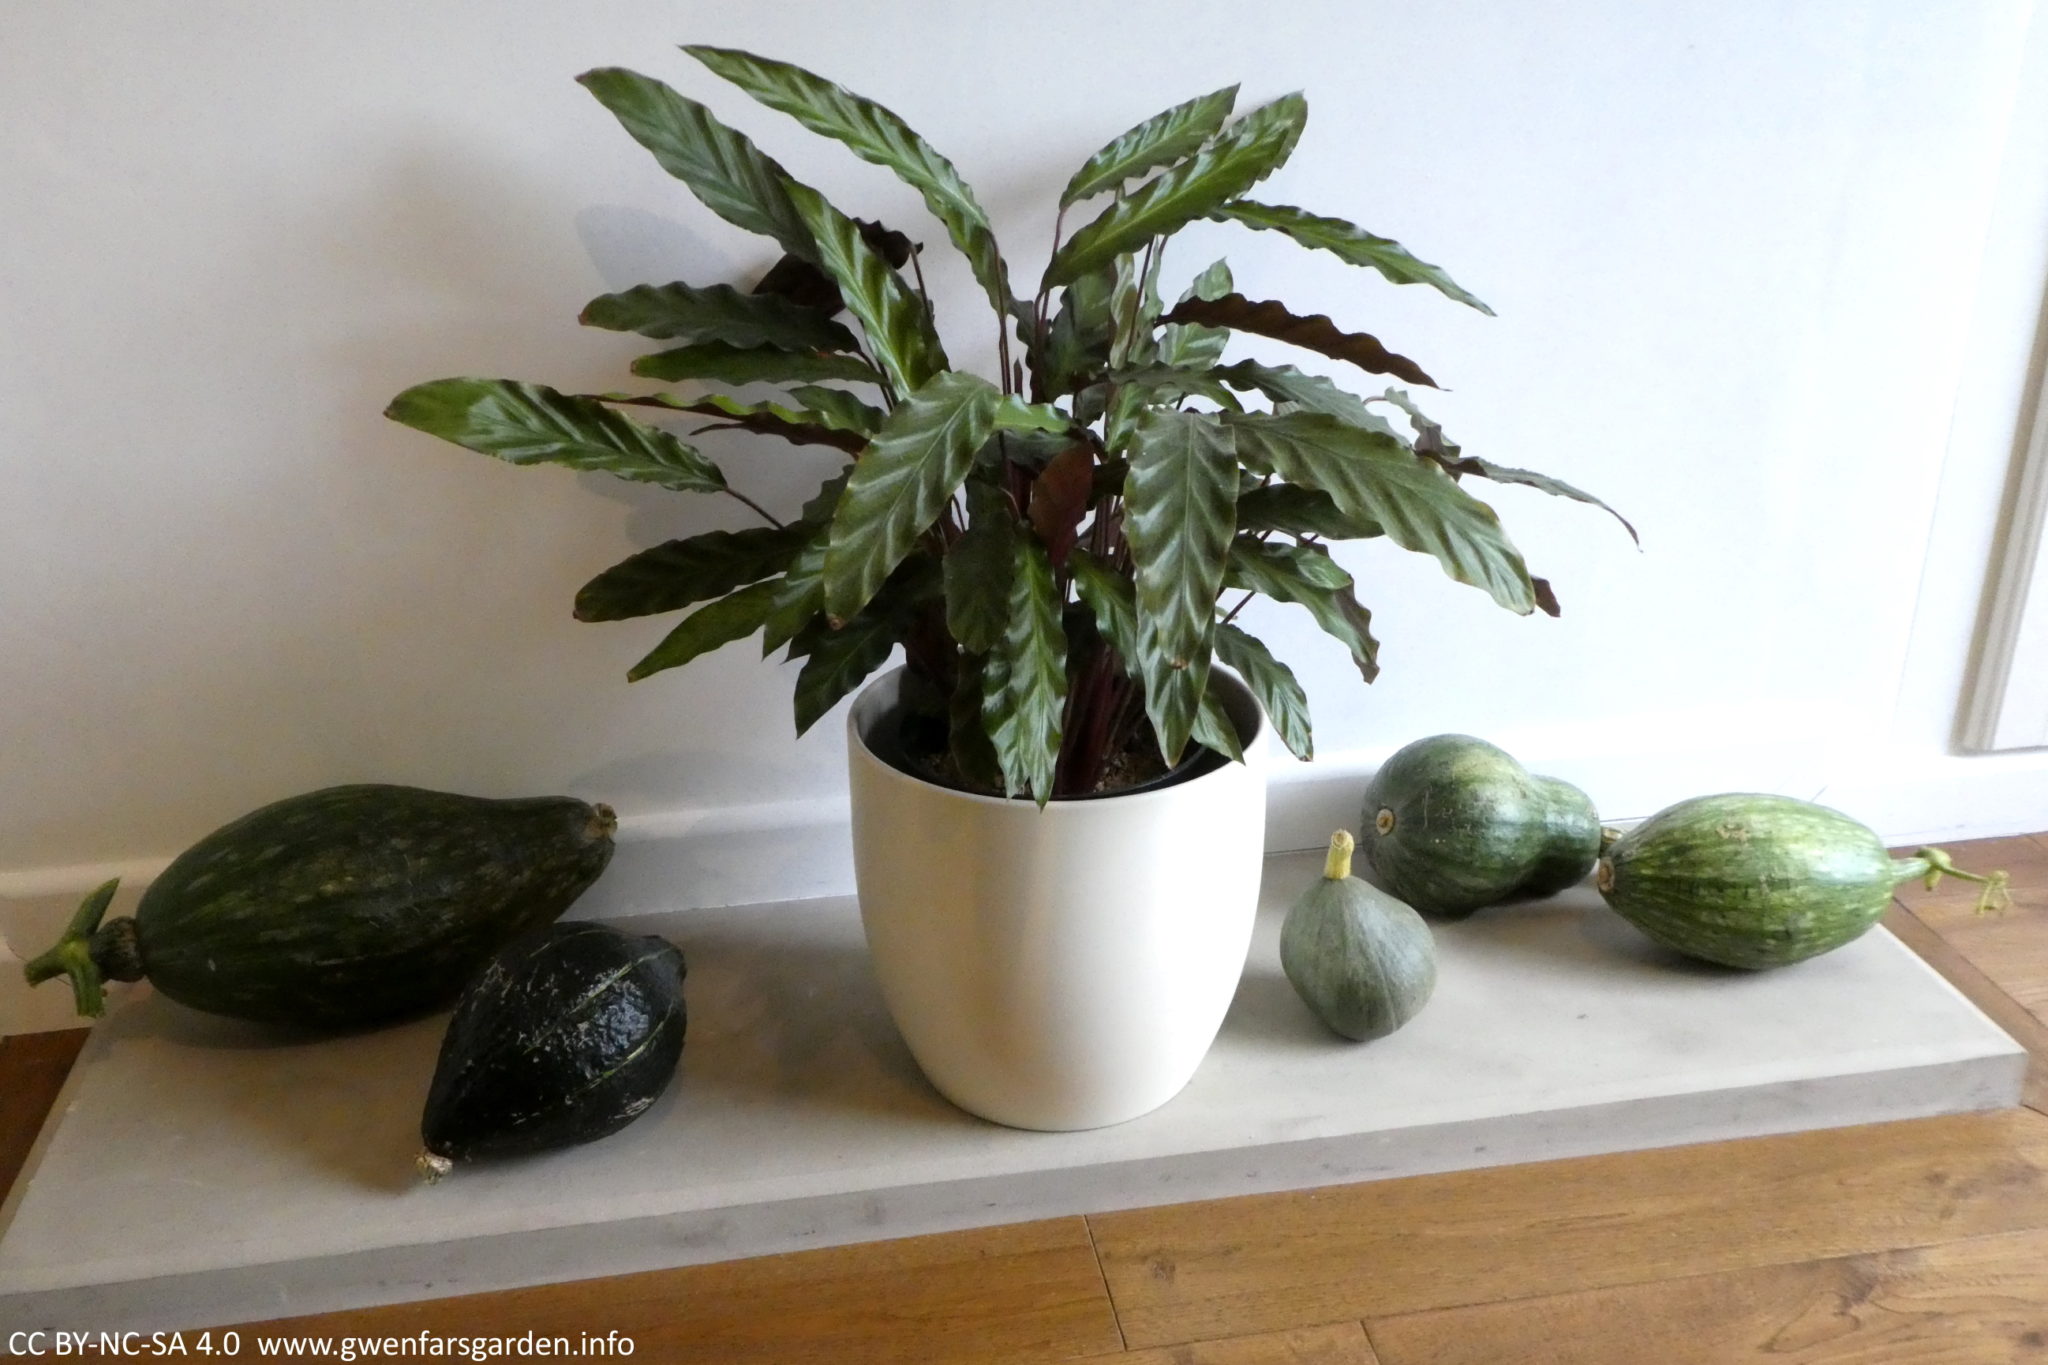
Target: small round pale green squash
x,y
1362,960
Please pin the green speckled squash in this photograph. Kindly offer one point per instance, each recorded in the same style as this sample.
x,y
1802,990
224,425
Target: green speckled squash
x,y
1453,823
1363,961
568,1035
341,908
1760,881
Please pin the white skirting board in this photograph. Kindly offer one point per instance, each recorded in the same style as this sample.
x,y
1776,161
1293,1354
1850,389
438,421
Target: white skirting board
x,y
198,1172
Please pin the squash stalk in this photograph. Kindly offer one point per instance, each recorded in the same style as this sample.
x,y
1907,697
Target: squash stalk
x,y
1932,864
1337,866
73,956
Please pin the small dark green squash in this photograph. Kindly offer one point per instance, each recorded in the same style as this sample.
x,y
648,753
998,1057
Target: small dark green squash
x,y
1453,824
1755,881
341,908
567,1037
1361,960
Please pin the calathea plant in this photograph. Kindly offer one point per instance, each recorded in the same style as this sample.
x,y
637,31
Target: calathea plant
x,y
1050,547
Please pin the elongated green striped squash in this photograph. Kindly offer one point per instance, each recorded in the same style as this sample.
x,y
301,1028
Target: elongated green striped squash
x,y
341,908
1758,881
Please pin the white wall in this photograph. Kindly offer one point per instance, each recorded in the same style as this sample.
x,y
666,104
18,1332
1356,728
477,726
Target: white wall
x,y
1735,248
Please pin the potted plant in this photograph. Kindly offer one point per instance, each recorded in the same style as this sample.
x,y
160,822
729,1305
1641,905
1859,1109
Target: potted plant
x,y
1058,799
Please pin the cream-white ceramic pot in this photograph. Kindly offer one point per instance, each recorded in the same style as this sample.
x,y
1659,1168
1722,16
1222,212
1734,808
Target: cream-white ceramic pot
x,y
1060,968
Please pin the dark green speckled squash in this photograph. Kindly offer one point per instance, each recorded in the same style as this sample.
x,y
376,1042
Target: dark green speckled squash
x,y
1760,881
1453,823
341,908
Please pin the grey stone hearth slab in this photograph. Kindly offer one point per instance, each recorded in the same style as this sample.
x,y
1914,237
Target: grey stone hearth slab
x,y
197,1172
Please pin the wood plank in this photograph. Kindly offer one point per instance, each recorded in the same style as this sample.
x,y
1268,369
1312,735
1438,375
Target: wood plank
x,y
1026,1292
32,1070
1978,1302
2023,1024
1342,1344
1265,1262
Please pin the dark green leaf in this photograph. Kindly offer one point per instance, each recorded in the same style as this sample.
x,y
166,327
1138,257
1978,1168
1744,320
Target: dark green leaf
x,y
1109,598
680,573
1312,392
838,408
719,313
1180,511
1134,308
915,464
1239,157
767,419
721,167
1306,576
1350,243
728,619
1171,383
751,365
533,424
898,328
1378,478
1273,683
1431,443
1190,346
1024,682
1077,343
1300,512
874,134
978,569
974,754
1014,414
1163,138
799,595
1313,333
837,661
798,279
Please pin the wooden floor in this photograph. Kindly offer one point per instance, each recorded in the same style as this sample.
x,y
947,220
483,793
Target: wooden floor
x,y
1921,1242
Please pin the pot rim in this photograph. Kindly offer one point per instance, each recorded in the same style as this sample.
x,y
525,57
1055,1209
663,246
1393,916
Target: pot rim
x,y
1254,752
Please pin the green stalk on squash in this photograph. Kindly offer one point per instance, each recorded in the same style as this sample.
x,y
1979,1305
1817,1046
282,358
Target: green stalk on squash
x,y
1051,545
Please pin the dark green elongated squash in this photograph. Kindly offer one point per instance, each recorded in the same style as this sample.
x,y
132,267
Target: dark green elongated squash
x,y
569,1034
1362,960
1453,823
341,908
1758,881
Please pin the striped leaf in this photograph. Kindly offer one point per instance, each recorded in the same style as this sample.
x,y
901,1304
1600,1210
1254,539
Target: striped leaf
x,y
1108,596
799,596
978,569
681,573
1180,511
533,424
915,464
1377,478
1163,138
766,419
1311,392
838,408
730,618
715,360
874,134
1024,680
898,328
720,166
684,312
836,661
1300,512
1273,683
1347,242
1237,158
1190,345
1306,576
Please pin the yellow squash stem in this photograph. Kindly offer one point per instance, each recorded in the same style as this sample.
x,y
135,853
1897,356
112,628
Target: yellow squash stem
x,y
1337,866
72,956
1995,896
